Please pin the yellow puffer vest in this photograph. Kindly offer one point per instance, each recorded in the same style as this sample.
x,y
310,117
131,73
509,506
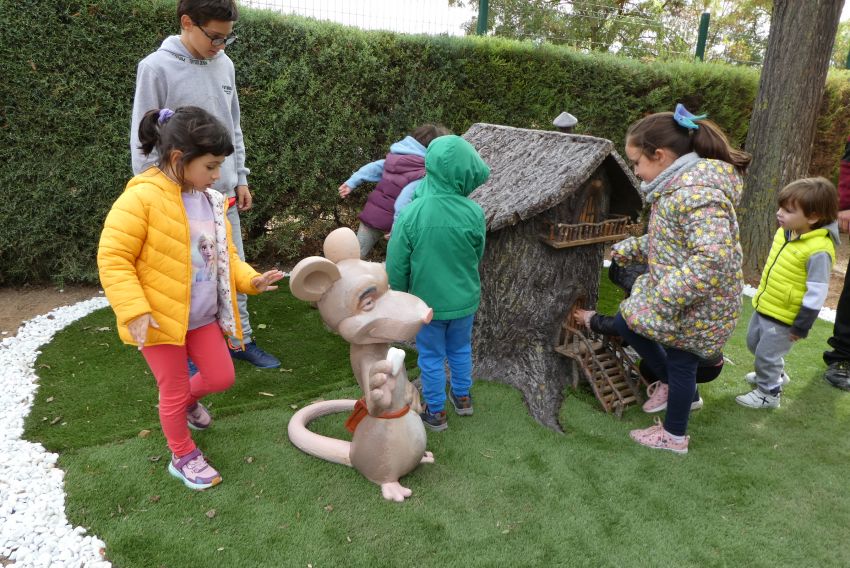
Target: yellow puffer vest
x,y
783,280
145,266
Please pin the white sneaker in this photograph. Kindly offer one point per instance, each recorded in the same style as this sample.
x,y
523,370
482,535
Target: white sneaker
x,y
697,404
784,379
757,399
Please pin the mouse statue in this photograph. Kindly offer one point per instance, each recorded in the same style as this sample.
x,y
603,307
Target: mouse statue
x,y
355,301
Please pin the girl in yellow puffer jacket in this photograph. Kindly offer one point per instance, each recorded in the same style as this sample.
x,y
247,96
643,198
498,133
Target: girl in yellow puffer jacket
x,y
156,277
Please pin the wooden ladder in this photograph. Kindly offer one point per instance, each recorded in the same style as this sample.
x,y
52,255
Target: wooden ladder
x,y
610,371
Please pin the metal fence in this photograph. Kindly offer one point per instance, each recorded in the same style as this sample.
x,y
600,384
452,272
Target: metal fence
x,y
437,17
431,17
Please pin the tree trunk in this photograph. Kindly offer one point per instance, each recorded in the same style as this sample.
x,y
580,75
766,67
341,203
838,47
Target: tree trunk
x,y
527,289
782,126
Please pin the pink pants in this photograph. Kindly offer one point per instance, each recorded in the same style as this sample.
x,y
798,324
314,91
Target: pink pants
x,y
177,391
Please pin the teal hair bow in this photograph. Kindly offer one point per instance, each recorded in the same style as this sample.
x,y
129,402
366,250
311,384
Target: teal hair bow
x,y
685,119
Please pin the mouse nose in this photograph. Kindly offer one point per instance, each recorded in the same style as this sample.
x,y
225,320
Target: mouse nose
x,y
426,319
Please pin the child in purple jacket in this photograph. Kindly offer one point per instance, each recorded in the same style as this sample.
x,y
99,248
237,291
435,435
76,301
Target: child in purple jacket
x,y
397,175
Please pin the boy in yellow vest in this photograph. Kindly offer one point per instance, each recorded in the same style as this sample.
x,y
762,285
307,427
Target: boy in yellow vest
x,y
793,284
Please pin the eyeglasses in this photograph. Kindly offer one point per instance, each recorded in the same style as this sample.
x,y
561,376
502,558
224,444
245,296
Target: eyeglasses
x,y
218,41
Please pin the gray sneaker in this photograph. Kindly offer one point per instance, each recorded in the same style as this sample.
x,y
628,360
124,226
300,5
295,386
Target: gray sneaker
x,y
434,421
462,404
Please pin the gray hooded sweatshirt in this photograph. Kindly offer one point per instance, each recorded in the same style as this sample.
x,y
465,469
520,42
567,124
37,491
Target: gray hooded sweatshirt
x,y
171,77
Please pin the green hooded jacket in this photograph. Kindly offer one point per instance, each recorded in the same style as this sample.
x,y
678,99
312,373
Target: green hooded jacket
x,y
438,240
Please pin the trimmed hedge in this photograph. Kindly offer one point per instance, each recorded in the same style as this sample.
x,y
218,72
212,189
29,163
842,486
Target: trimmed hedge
x,y
318,101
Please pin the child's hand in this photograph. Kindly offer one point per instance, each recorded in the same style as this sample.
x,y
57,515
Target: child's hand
x,y
794,337
583,316
264,281
244,200
139,328
344,190
844,221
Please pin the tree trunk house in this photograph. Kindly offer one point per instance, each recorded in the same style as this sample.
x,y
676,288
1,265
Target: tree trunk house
x,y
552,202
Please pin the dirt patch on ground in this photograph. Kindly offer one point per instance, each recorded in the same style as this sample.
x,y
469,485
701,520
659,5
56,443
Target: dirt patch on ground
x,y
17,305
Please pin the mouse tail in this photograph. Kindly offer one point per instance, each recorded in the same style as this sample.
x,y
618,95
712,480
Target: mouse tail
x,y
330,449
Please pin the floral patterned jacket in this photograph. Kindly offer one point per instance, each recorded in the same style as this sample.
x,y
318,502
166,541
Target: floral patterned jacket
x,y
690,297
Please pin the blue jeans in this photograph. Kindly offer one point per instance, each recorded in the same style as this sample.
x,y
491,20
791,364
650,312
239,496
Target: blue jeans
x,y
677,366
436,342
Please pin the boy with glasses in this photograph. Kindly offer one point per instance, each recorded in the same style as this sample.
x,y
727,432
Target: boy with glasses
x,y
191,69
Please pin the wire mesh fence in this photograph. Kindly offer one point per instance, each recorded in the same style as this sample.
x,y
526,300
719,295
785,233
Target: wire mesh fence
x,y
432,17
630,29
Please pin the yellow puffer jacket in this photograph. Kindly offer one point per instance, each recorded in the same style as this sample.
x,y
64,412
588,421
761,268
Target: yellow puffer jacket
x,y
144,260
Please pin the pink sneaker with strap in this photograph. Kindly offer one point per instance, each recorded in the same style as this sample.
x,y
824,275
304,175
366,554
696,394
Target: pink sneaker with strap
x,y
658,438
657,401
194,471
198,417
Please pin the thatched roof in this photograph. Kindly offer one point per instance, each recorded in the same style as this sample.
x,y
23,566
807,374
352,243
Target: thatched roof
x,y
534,170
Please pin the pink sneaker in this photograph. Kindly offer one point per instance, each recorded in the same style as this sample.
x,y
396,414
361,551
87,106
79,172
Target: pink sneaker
x,y
657,401
194,471
658,438
198,417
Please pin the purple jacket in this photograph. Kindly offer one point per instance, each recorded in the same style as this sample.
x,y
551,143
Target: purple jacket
x,y
399,170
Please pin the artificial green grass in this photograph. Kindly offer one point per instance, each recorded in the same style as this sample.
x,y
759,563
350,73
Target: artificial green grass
x,y
100,390
759,488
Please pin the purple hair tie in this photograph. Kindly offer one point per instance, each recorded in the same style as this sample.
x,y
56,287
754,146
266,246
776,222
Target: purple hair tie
x,y
164,115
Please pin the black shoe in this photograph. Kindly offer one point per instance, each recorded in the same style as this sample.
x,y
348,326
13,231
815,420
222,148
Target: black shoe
x,y
256,356
435,421
838,375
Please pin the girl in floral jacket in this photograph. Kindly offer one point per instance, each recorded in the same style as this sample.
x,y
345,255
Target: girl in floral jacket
x,y
686,305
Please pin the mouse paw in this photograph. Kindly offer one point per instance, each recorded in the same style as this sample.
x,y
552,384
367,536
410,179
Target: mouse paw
x,y
394,491
381,384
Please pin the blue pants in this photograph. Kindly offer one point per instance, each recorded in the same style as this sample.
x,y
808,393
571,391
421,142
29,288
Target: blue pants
x,y
436,342
677,366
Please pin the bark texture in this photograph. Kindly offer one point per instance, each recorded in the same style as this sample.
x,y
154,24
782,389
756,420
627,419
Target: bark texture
x,y
785,111
528,287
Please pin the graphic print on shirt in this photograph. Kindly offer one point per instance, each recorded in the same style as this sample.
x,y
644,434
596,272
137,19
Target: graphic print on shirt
x,y
204,259
203,251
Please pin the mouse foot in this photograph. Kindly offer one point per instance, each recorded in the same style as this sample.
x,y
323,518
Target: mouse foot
x,y
394,491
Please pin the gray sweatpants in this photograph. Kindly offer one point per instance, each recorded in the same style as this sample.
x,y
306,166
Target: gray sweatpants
x,y
769,341
241,299
368,237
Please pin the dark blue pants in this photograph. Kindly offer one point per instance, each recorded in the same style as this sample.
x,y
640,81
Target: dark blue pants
x,y
678,367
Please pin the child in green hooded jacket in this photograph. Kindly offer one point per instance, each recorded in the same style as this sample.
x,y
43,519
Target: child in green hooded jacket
x,y
436,245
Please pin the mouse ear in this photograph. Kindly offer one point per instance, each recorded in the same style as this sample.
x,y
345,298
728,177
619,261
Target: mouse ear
x,y
312,277
341,244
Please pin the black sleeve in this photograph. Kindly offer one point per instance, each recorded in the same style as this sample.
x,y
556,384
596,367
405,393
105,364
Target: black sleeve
x,y
603,324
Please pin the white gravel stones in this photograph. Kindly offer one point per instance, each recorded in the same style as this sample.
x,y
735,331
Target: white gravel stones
x,y
33,529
